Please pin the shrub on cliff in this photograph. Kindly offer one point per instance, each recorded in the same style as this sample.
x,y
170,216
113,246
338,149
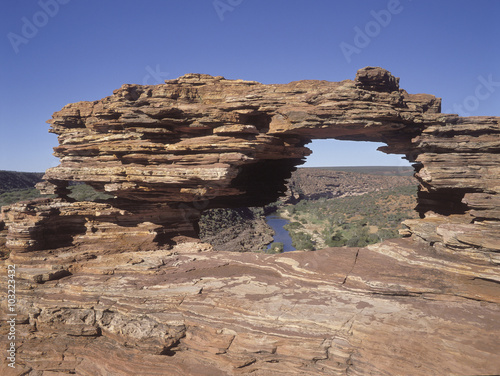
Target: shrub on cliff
x,y
276,247
302,241
84,192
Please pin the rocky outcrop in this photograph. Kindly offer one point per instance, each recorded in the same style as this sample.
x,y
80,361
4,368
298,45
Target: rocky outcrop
x,y
122,287
236,230
458,166
55,223
202,142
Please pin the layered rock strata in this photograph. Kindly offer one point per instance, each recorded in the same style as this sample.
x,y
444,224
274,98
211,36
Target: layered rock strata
x,y
121,287
458,166
389,309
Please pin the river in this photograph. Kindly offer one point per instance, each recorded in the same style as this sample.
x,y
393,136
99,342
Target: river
x,y
280,234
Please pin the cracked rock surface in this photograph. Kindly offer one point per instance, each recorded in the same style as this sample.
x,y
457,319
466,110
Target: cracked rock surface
x,y
388,309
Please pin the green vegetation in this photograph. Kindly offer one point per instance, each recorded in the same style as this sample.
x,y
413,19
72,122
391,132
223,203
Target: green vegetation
x,y
301,240
84,192
276,247
16,195
355,221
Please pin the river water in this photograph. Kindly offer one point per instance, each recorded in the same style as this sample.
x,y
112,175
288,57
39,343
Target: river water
x,y
280,234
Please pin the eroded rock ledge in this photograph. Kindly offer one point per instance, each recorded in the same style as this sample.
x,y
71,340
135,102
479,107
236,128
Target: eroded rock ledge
x,y
122,287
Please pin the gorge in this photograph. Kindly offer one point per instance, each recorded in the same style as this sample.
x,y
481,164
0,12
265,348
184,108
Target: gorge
x,y
124,286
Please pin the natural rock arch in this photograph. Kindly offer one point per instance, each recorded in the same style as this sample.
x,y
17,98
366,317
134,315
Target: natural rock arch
x,y
169,151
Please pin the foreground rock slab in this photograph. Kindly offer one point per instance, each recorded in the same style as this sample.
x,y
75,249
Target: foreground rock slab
x,y
389,309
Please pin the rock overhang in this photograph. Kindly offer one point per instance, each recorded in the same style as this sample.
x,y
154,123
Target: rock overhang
x,y
199,129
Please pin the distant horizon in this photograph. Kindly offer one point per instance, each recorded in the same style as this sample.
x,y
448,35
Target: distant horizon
x,y
299,166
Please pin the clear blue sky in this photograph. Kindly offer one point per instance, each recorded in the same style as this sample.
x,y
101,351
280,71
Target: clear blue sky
x,y
76,50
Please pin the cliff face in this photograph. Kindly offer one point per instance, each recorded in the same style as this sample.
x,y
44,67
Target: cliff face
x,y
18,180
123,287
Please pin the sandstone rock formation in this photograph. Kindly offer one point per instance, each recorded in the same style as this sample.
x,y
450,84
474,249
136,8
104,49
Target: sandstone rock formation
x,y
122,287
